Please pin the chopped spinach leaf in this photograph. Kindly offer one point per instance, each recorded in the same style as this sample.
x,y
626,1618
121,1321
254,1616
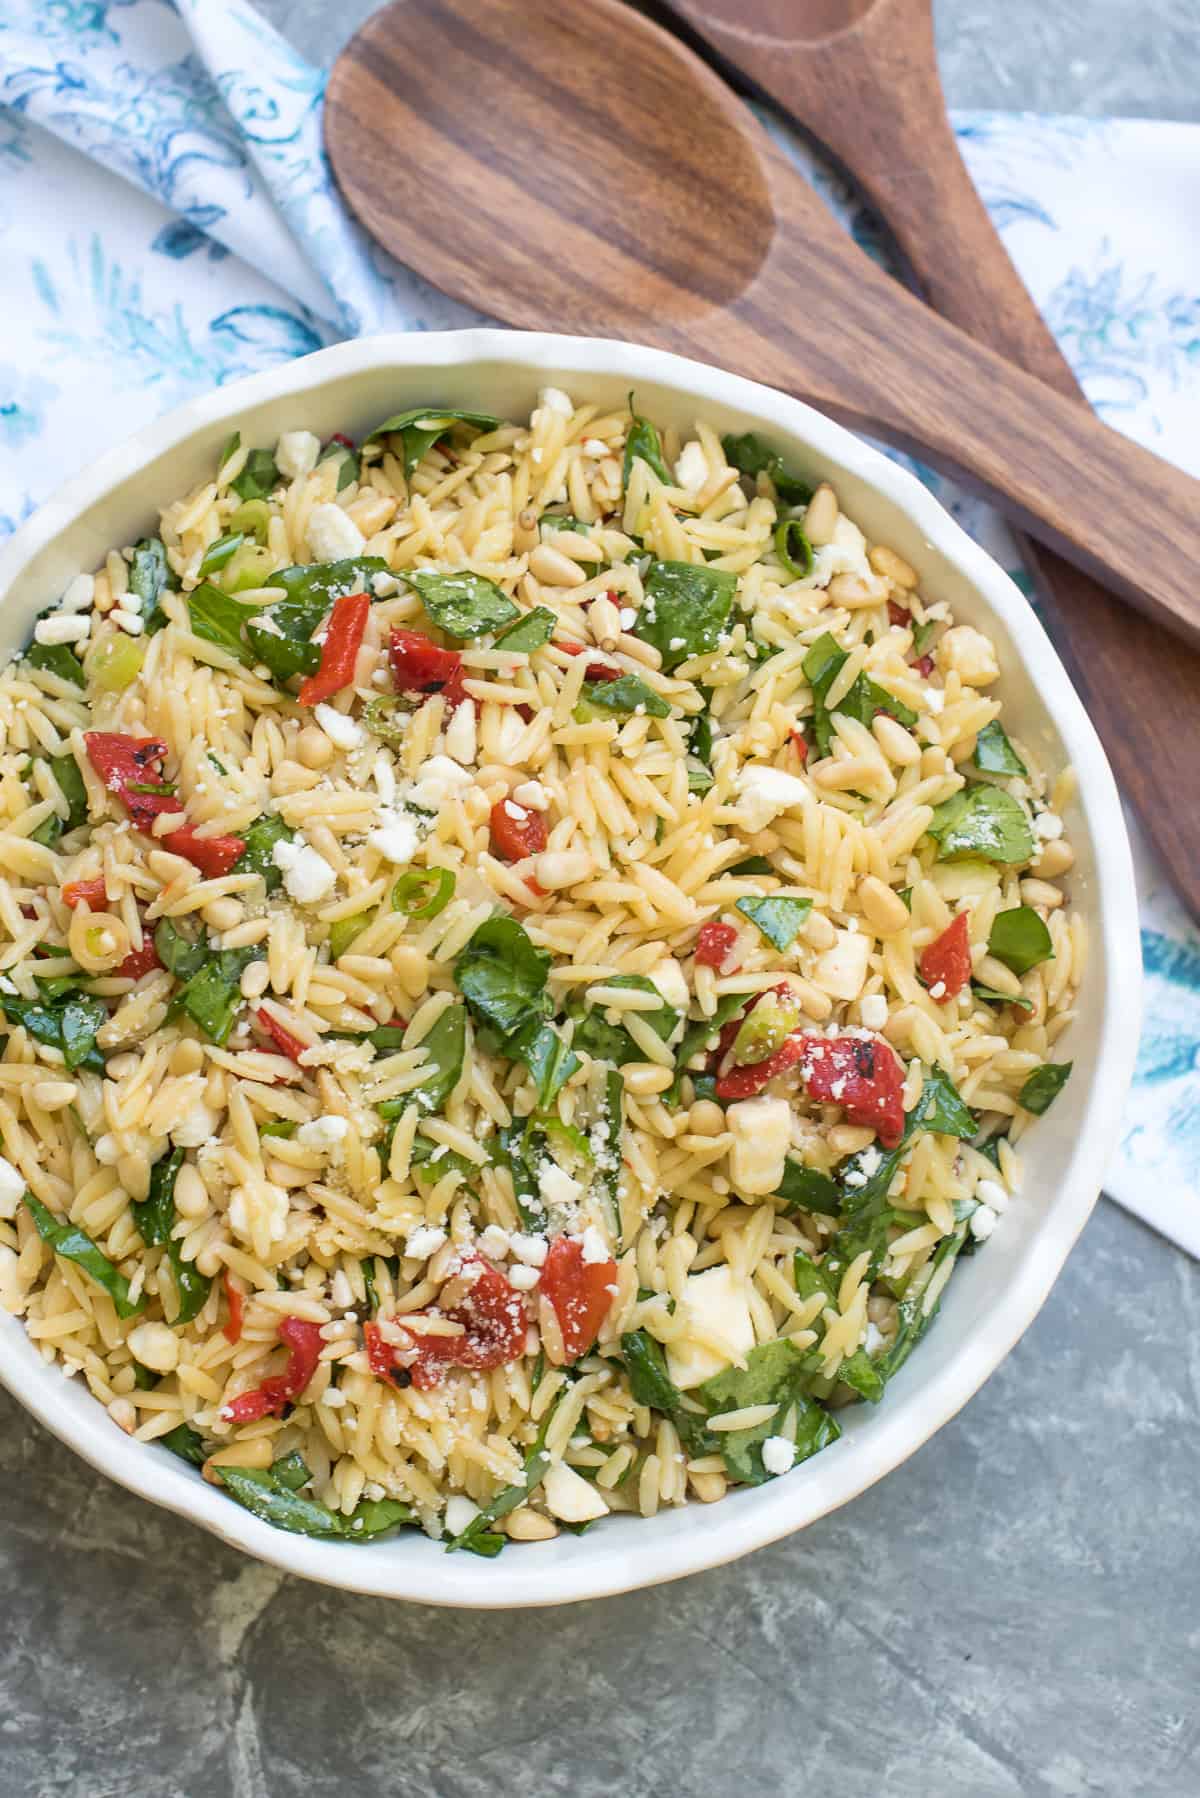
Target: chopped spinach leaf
x,y
1020,939
220,619
643,444
610,1159
421,427
67,1240
651,1385
625,695
753,864
940,1108
149,578
549,1059
258,857
259,477
807,1189
752,457
502,976
179,954
185,1442
68,1023
213,994
155,1217
65,770
604,1041
776,1373
686,609
861,1374
445,1045
991,997
479,1537
822,665
59,659
1044,1085
530,632
699,1034
779,919
984,821
919,1304
464,605
270,1497
994,754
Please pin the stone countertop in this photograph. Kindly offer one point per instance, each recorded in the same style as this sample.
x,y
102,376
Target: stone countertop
x,y
1015,1611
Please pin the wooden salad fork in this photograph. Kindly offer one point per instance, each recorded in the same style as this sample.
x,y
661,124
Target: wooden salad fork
x,y
861,78
568,165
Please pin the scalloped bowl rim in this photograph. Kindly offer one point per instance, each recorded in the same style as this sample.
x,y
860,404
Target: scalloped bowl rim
x,y
629,1553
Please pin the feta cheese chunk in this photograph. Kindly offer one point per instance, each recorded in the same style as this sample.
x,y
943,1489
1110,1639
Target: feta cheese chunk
x,y
306,875
846,554
461,1513
12,1188
595,1248
80,594
874,1011
425,1240
332,536
555,400
720,1329
325,1134
668,977
460,735
970,654
778,1454
762,1130
691,470
439,781
395,836
842,969
557,1188
570,1497
296,453
343,732
765,792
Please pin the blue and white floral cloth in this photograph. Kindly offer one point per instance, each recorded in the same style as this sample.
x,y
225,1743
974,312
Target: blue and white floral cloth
x,y
168,223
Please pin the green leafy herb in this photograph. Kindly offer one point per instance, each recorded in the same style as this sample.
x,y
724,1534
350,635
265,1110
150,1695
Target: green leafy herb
x,y
349,463
529,633
464,605
220,552
479,1537
430,1160
562,521
753,864
287,649
342,934
59,659
793,548
1044,1085
519,1148
149,578
698,1035
861,1374
259,477
155,1217
940,1108
752,457
258,855
923,634
612,1042
822,665
72,1244
68,1023
984,821
686,609
549,1059
445,1045
424,892
625,695
991,997
807,1189
643,444
267,1495
1020,939
776,1373
610,1159
65,770
651,1384
919,1304
220,619
502,976
185,1442
213,994
780,920
421,427
994,754
179,954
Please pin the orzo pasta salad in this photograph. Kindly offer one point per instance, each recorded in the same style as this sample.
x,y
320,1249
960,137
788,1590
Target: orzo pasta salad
x,y
526,950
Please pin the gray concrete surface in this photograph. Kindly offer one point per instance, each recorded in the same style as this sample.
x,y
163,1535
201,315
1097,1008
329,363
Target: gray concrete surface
x,y
1016,1611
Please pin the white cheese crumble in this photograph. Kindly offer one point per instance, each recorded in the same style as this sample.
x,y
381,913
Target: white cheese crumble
x,y
765,792
12,1187
460,735
395,836
983,1222
306,875
716,1307
992,1194
570,1497
1048,826
80,594
841,970
296,454
529,1249
343,732
874,1011
691,470
556,1186
332,536
778,1454
594,1247
762,1131
494,1242
439,781
325,1134
524,1278
426,1240
461,1513
533,795
555,400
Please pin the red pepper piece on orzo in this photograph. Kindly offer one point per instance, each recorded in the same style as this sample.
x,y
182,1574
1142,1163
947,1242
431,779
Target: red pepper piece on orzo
x,y
284,1041
232,1327
946,962
580,1292
714,944
347,622
517,831
744,1083
271,1399
213,856
863,1075
91,893
494,1324
419,665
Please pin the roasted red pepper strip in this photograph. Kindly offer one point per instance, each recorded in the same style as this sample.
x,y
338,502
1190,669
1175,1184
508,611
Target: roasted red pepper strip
x,y
494,1321
344,634
91,893
946,962
594,670
713,945
213,856
580,1292
517,831
232,1328
271,1399
419,665
139,961
743,1083
124,763
863,1075
284,1041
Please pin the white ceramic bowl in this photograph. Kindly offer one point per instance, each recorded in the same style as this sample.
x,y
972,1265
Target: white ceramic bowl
x,y
992,1297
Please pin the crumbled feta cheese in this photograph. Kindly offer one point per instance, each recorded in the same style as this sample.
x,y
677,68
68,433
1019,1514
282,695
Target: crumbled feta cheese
x,y
530,1249
570,1497
668,977
873,1339
1048,826
395,837
332,536
461,738
523,1278
296,454
594,446
874,1011
556,1186
384,776
195,1127
627,617
778,1454
762,1131
62,627
716,1307
555,400
12,1188
533,795
677,643
384,585
691,470
325,1134
983,1222
439,781
765,792
306,875
426,1240
938,990
460,1514
847,554
494,1242
970,654
343,732
841,970
594,1247
80,594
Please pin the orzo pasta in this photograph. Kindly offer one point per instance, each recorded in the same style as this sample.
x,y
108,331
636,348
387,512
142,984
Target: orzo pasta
x,y
526,952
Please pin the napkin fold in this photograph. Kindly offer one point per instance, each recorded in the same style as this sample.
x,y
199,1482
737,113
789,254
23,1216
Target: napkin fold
x,y
168,224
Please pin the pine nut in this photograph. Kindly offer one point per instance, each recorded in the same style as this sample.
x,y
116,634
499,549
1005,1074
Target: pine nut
x,y
1039,892
258,1452
706,1118
527,1525
123,1415
820,520
643,1078
819,931
371,511
883,909
604,622
554,569
313,748
892,567
525,531
1054,860
555,869
256,978
848,1139
856,591
897,744
187,1057
54,1095
222,914
708,1487
191,1194
133,1171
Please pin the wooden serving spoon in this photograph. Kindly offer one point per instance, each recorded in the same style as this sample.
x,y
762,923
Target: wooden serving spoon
x,y
566,164
861,77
